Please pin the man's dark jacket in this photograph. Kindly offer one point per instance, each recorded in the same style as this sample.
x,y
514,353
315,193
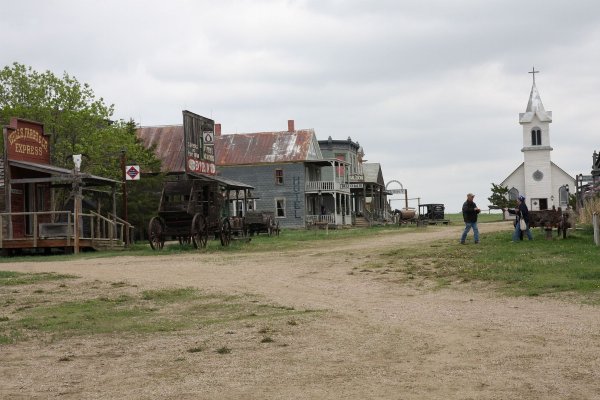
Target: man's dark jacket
x,y
469,212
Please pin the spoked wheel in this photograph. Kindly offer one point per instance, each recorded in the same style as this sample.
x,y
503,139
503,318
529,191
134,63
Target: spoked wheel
x,y
276,228
199,232
225,233
156,235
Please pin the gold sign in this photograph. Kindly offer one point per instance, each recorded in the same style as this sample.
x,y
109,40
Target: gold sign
x,y
26,142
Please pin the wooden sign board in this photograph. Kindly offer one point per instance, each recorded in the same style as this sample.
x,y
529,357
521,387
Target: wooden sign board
x,y
26,141
199,156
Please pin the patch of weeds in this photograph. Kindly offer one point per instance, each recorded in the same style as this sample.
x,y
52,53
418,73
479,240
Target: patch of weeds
x,y
119,284
224,350
265,330
11,278
38,291
292,322
114,311
65,358
267,339
196,349
170,295
10,337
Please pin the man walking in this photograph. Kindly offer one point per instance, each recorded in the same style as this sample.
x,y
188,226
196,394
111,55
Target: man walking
x,y
470,211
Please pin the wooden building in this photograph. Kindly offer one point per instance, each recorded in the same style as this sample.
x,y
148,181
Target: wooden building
x,y
33,192
285,168
367,188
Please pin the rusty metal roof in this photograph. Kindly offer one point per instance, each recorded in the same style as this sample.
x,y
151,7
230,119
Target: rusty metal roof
x,y
267,147
168,142
233,149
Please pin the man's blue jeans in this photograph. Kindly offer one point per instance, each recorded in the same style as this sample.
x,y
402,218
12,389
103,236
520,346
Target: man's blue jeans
x,y
468,226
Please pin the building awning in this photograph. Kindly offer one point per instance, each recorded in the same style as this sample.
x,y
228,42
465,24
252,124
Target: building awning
x,y
229,183
58,175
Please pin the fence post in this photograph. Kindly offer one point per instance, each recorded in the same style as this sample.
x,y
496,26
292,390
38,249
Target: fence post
x,y
596,224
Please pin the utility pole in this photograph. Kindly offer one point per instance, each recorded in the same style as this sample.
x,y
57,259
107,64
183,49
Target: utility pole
x,y
77,196
124,190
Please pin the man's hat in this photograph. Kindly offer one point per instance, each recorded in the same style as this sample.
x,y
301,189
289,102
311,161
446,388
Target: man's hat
x,y
521,198
470,195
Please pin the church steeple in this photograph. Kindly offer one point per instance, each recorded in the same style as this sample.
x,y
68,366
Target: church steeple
x,y
538,178
535,105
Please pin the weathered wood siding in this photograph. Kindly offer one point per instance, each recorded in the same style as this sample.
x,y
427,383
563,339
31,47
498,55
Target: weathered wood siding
x,y
262,177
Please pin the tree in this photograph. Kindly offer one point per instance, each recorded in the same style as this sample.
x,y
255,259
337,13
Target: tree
x,y
499,197
76,120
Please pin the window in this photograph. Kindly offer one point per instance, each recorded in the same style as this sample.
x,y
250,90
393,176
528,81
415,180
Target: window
x,y
279,177
341,167
513,194
280,208
563,196
536,137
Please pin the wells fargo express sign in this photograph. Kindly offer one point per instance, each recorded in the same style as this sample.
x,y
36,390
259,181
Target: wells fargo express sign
x,y
26,141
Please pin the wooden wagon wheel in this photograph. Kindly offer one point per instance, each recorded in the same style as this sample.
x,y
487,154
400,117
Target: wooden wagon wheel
x,y
199,231
156,235
225,232
276,228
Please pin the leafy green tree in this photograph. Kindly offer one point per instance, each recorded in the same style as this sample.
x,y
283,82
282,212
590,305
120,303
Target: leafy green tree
x,y
499,197
78,122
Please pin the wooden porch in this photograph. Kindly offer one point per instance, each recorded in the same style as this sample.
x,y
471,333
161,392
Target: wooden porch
x,y
62,230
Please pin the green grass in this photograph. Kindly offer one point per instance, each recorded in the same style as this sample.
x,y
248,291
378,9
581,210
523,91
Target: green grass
x,y
289,239
10,278
482,218
103,308
532,268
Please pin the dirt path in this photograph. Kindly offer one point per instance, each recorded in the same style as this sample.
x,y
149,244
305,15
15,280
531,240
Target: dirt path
x,y
376,339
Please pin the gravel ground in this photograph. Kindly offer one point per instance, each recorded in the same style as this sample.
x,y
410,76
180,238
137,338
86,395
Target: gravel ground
x,y
373,338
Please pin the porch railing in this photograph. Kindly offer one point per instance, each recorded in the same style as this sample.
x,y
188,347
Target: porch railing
x,y
61,225
326,186
312,219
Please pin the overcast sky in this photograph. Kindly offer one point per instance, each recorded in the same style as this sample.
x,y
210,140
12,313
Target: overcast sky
x,y
432,90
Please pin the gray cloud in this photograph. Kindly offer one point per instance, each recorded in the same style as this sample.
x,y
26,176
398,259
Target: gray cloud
x,y
431,89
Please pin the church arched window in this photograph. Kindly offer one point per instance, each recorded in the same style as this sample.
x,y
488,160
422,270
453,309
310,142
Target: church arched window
x,y
536,137
513,194
563,196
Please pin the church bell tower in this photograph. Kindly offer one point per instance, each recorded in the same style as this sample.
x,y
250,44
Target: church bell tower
x,y
536,150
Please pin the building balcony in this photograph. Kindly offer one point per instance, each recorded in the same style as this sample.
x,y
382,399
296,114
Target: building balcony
x,y
326,186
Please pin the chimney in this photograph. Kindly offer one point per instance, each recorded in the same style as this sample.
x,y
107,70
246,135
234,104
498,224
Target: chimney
x,y
291,125
217,130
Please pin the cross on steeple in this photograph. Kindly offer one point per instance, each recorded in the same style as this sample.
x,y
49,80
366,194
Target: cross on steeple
x,y
533,72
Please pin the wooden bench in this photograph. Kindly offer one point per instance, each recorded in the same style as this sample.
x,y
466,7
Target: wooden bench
x,y
54,229
322,225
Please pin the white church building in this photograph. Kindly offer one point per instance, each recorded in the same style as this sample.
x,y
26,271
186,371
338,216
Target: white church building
x,y
543,183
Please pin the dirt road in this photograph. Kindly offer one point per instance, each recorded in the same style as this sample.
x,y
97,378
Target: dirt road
x,y
375,339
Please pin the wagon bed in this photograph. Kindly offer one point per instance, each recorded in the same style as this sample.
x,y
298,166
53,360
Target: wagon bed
x,y
261,222
550,219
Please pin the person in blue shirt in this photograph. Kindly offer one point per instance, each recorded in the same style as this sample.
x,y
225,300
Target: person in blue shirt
x,y
522,213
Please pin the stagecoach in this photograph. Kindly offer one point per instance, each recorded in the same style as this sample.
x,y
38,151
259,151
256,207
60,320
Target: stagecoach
x,y
194,207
